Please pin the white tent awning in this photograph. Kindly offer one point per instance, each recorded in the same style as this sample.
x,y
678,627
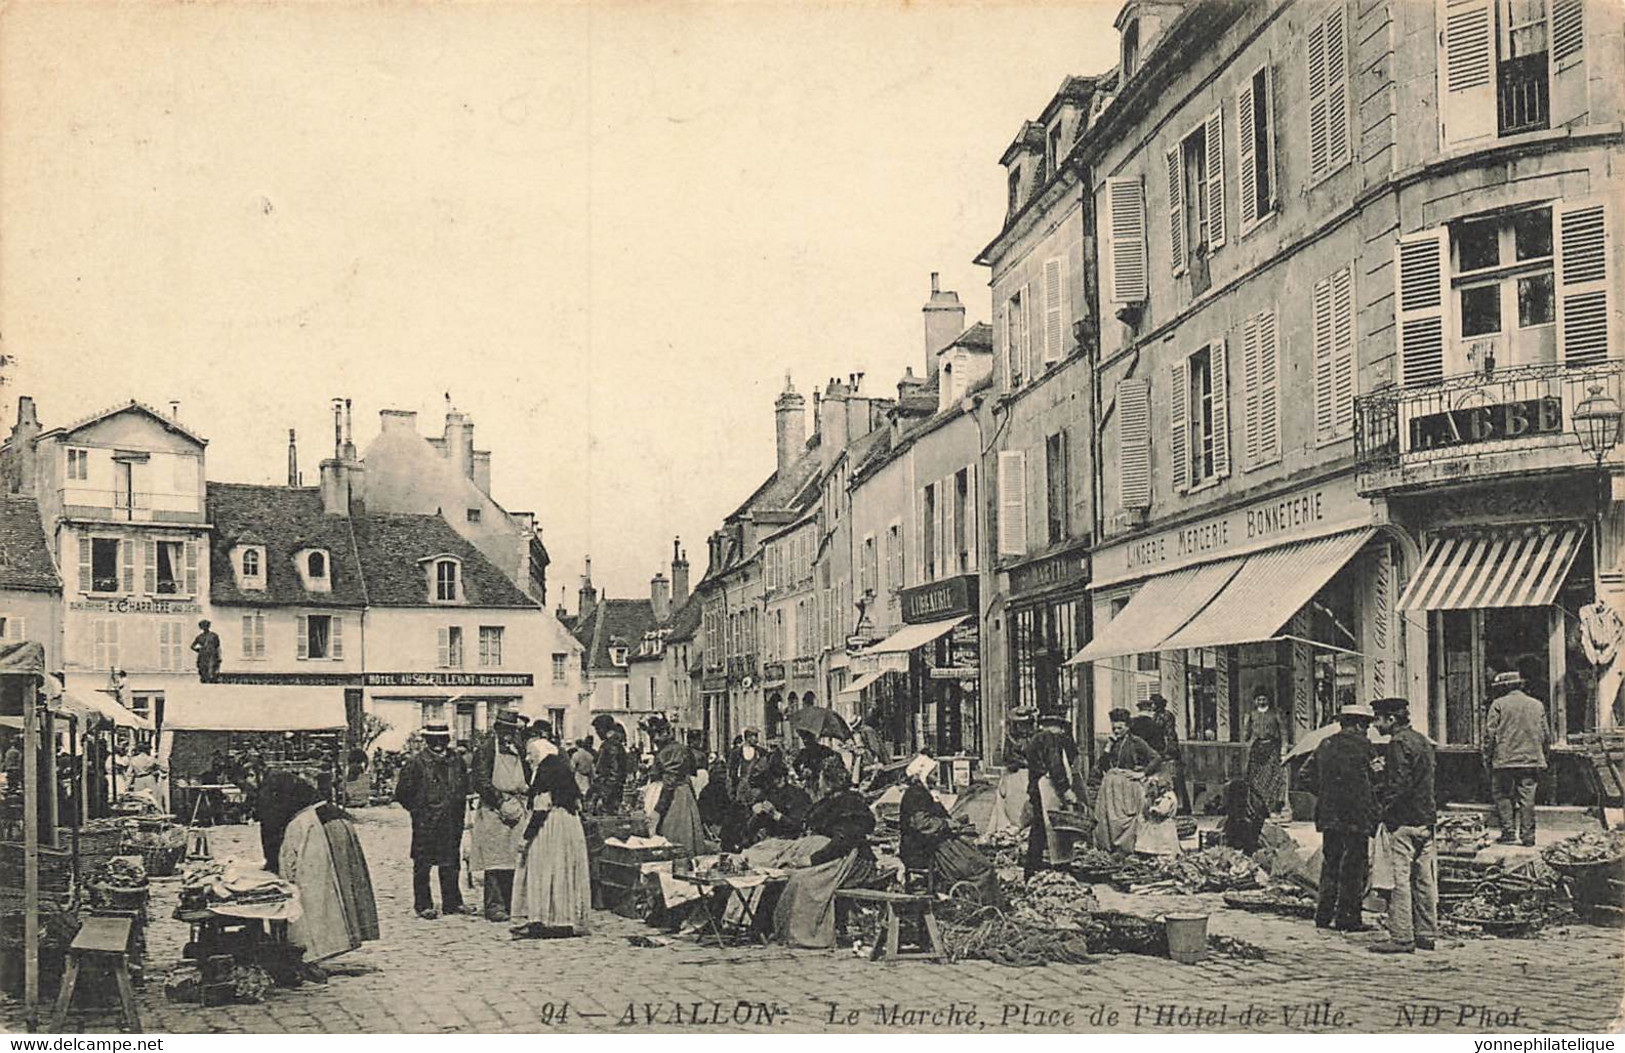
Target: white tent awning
x,y
232,707
909,637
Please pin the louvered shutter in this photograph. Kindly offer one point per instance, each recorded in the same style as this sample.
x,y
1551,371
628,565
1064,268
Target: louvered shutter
x,y
259,636
1321,328
302,637
335,648
1218,357
443,655
1567,36
1134,443
1467,71
18,627
1012,365
1028,365
1054,311
191,568
1215,179
1252,392
150,571
126,558
1420,283
1176,210
948,564
1318,161
1337,89
1343,352
1179,425
919,537
1246,157
1125,239
1582,281
1269,387
166,654
84,565
1012,502
248,636
972,532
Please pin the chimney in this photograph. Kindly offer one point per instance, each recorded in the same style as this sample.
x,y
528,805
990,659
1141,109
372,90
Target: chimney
x,y
832,429
348,452
944,321
21,461
790,424
175,409
482,471
293,460
561,612
586,596
459,442
335,487
679,574
398,420
660,597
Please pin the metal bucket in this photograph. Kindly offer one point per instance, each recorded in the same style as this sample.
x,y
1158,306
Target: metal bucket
x,y
1187,937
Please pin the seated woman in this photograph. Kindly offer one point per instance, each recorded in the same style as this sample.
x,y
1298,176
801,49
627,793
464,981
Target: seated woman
x,y
930,843
551,889
805,913
318,851
1155,833
782,810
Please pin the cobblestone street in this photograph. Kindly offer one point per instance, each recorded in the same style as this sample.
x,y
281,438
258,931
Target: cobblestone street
x,y
466,975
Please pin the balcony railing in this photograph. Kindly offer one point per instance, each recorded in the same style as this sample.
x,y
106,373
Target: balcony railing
x,y
1525,95
1477,414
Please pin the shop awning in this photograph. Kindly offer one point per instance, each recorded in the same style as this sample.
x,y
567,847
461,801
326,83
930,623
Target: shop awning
x,y
1161,608
100,704
1267,591
22,656
909,637
1507,568
231,707
856,687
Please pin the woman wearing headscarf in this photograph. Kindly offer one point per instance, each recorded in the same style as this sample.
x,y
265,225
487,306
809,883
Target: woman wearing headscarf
x,y
676,810
930,842
552,891
320,854
805,913
1266,775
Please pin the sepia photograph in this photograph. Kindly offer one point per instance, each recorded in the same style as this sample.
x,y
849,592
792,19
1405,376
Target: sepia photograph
x,y
855,517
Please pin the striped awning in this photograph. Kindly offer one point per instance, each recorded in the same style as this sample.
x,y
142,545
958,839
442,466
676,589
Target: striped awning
x,y
1159,609
1511,567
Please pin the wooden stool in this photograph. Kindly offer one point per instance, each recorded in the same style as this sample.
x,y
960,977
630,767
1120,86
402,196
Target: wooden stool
x,y
107,941
920,909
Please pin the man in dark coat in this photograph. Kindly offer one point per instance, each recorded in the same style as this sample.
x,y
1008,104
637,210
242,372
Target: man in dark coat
x,y
433,788
1339,774
1050,767
609,778
1410,811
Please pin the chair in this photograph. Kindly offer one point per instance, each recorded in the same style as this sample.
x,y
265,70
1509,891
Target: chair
x,y
920,909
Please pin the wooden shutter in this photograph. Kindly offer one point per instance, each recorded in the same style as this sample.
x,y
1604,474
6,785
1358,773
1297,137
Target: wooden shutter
x,y
17,627
1214,136
126,559
335,637
1252,393
150,571
302,638
1012,502
1343,352
1179,424
1218,359
248,636
166,652
919,536
191,568
1421,295
948,561
1246,157
1567,41
1316,59
1028,366
1125,239
1176,210
443,655
1582,281
1320,311
1011,363
1337,89
1467,71
1134,443
84,565
973,518
1054,311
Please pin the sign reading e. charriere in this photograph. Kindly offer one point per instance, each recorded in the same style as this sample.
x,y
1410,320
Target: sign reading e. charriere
x,y
447,679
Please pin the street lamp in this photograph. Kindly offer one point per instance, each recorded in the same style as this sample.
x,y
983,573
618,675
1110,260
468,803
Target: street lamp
x,y
1597,423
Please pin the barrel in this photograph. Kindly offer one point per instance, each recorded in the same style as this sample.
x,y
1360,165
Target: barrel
x,y
1187,937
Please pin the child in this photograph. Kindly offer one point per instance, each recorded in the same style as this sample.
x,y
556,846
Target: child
x,y
1154,831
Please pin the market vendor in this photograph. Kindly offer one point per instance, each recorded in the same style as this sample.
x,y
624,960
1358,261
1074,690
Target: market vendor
x,y
805,913
1124,761
500,779
782,810
612,766
1051,768
930,841
675,810
1009,811
811,758
321,854
282,795
552,889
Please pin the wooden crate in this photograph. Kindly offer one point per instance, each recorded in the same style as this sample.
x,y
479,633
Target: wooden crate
x,y
1605,752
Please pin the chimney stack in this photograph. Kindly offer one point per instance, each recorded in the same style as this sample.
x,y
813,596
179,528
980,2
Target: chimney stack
x,y
679,574
349,436
660,597
944,321
790,424
586,596
21,457
561,612
175,409
293,460
338,428
335,487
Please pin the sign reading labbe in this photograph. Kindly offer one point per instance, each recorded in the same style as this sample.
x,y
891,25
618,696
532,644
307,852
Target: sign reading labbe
x,y
1496,422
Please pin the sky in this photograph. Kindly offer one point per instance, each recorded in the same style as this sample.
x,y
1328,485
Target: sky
x,y
606,231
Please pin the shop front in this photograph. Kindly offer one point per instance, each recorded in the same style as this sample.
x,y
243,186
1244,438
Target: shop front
x,y
1048,614
465,702
1291,599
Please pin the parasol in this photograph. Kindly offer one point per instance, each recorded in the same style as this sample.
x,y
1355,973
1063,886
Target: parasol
x,y
820,723
1313,739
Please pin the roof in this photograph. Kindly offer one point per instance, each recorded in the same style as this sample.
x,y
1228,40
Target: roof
x,y
610,620
284,520
25,555
391,546
979,337
169,422
685,621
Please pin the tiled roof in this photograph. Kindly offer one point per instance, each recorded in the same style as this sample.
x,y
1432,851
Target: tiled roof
x,y
610,620
685,621
284,519
25,555
169,422
978,337
392,547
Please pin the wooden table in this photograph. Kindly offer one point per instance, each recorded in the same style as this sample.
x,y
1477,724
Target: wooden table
x,y
104,941
715,914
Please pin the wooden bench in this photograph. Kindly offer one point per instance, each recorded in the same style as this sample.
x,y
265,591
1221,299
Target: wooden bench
x,y
920,909
104,941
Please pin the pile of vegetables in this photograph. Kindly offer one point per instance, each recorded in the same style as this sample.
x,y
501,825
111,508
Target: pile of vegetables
x,y
121,872
1052,899
1587,849
1509,900
1216,869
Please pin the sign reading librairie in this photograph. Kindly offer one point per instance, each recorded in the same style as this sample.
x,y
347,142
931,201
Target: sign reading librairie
x,y
447,679
949,598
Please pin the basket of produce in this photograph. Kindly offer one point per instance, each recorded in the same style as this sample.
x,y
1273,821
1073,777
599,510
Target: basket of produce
x,y
1091,865
1586,853
1288,900
161,845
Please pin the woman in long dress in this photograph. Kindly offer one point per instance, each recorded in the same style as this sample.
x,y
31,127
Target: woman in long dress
x,y
552,891
930,843
1010,807
676,810
805,913
1124,762
1266,775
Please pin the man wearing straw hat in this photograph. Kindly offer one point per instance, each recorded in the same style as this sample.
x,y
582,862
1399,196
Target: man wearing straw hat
x,y
1516,738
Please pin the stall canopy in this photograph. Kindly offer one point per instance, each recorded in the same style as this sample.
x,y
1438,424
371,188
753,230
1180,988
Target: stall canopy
x,y
856,687
109,710
22,656
1507,568
1158,610
911,636
255,709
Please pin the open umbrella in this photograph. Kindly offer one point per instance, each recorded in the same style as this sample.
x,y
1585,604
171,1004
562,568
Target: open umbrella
x,y
820,723
1313,739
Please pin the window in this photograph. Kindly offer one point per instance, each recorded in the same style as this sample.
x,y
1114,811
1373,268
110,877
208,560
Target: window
x,y
931,526
1200,445
1016,338
254,636
869,567
555,716
1196,193
560,664
147,703
251,562
445,581
103,563
1057,152
316,565
960,535
1125,239
450,647
1012,502
1255,148
894,556
434,713
11,628
1328,76
105,634
1503,278
1131,49
617,655
1261,384
1013,184
473,515
320,636
1200,371
172,646
78,464
169,571
1055,486
1510,66
491,645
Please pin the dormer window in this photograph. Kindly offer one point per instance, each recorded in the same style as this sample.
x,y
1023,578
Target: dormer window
x,y
315,569
1131,49
617,655
316,565
1057,152
251,567
1015,187
251,563
446,574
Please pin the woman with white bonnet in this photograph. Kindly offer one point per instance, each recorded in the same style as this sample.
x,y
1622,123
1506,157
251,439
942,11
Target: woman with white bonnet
x,y
930,841
552,890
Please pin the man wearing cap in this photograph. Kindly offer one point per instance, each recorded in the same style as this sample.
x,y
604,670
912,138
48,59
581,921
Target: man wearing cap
x,y
609,778
1409,811
1516,739
1339,774
1049,786
433,788
500,780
